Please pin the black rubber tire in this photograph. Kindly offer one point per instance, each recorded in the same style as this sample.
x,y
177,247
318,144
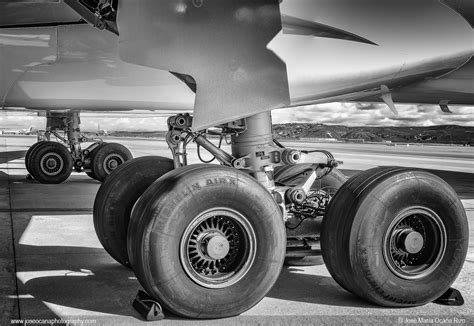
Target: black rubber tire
x,y
61,156
115,199
168,208
31,150
108,152
359,219
91,174
330,183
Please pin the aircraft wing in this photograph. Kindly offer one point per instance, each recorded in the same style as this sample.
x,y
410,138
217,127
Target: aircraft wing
x,y
50,59
253,56
241,57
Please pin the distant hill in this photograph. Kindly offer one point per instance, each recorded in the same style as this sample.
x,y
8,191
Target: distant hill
x,y
140,134
449,134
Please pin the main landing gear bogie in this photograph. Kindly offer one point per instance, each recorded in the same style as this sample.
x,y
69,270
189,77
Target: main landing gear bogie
x,y
56,163
97,161
403,238
208,241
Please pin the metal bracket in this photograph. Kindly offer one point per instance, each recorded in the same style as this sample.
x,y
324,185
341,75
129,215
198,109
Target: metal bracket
x,y
180,134
309,182
148,307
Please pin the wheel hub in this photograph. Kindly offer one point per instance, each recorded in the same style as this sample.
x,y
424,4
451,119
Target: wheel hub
x,y
51,164
410,241
415,243
218,248
111,162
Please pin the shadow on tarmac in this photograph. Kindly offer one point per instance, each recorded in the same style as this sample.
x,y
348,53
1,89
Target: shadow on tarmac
x,y
293,285
92,283
8,156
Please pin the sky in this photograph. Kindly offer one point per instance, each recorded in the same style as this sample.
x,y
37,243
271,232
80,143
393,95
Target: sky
x,y
349,114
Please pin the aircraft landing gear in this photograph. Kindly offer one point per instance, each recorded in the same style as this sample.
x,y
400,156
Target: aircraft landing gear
x,y
208,241
405,238
54,166
215,229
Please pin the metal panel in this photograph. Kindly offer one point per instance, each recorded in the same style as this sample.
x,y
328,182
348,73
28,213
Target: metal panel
x,y
77,67
220,43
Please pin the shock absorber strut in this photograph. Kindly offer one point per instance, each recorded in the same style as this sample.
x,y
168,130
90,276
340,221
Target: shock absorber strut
x,y
65,126
256,145
74,137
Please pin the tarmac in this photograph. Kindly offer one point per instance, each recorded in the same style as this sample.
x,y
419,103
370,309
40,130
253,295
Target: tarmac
x,y
53,268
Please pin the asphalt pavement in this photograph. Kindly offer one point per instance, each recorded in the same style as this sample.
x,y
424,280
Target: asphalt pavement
x,y
52,266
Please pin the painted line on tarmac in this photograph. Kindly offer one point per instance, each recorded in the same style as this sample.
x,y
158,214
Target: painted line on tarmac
x,y
43,210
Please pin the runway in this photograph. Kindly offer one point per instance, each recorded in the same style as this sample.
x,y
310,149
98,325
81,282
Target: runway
x,y
53,266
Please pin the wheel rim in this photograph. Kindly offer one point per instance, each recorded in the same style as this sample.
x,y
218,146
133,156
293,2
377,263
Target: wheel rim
x,y
111,162
52,164
218,248
415,243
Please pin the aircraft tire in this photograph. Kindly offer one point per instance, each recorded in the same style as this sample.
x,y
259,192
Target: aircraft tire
x,y
396,237
50,163
206,241
30,150
91,173
115,199
330,183
106,158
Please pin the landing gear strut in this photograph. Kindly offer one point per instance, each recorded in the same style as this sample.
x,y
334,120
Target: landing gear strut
x,y
52,162
208,241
